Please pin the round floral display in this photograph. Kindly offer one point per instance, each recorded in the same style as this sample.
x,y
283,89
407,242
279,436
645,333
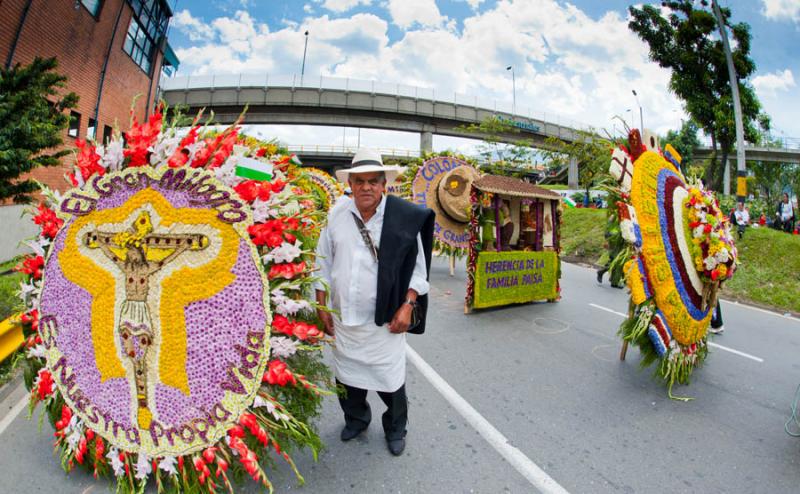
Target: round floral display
x,y
154,310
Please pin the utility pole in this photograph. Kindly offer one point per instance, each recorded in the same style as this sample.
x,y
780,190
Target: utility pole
x,y
741,170
303,67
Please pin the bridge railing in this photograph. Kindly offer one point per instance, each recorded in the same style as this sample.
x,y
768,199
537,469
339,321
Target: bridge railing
x,y
348,150
212,81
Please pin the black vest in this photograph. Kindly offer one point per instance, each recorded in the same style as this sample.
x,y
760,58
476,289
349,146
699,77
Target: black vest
x,y
402,221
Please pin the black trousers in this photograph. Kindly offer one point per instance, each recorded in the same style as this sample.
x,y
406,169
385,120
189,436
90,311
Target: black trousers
x,y
716,317
357,413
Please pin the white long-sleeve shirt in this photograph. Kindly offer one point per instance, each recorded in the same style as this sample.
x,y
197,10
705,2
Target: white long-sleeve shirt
x,y
344,261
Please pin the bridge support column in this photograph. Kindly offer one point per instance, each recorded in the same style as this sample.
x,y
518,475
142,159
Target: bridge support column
x,y
426,142
726,178
572,174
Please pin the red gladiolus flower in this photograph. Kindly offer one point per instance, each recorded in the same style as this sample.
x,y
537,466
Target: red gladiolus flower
x,y
48,220
66,417
99,450
32,266
88,161
250,190
45,387
304,331
81,450
31,318
279,374
236,431
282,325
286,270
181,155
269,233
209,454
140,137
707,228
278,185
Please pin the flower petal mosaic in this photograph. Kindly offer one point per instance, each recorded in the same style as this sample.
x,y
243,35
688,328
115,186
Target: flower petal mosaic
x,y
679,250
149,301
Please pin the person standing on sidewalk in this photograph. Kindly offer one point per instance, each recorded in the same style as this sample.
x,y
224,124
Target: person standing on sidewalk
x,y
374,258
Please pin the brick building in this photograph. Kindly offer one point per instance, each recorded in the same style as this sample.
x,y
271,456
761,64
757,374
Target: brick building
x,y
111,51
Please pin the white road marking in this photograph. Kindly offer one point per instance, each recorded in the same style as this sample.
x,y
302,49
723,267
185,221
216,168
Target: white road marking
x,y
530,470
711,344
12,414
608,310
759,309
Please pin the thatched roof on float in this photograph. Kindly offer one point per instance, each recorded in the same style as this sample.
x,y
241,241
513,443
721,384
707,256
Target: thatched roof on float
x,y
510,186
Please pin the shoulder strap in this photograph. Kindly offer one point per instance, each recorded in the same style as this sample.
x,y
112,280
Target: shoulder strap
x,y
362,228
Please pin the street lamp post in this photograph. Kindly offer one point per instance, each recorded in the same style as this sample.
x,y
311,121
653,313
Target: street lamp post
x,y
514,87
641,118
303,67
741,172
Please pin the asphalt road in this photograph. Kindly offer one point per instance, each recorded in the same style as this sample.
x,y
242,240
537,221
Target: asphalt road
x,y
548,378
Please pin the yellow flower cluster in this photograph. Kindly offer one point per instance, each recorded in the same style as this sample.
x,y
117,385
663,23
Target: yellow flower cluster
x,y
685,328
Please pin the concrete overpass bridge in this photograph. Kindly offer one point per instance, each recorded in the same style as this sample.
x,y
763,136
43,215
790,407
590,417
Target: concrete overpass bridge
x,y
357,103
756,153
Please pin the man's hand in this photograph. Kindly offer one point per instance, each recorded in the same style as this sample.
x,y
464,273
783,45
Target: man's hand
x,y
327,321
324,316
401,319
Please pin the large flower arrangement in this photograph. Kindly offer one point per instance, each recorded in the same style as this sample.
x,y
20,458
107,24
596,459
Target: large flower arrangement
x,y
279,221
407,179
678,250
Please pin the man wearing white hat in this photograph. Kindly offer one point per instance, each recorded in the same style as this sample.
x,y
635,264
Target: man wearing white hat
x,y
374,258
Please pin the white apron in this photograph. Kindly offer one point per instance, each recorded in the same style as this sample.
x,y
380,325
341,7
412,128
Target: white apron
x,y
369,356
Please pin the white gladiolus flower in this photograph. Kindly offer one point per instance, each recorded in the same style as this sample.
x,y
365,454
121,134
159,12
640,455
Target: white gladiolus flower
x,y
116,464
168,464
112,155
282,347
143,467
286,252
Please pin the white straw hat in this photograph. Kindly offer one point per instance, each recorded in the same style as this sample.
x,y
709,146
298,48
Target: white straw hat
x,y
366,161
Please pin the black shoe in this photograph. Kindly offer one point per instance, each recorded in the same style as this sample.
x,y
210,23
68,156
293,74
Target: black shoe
x,y
396,446
348,433
600,277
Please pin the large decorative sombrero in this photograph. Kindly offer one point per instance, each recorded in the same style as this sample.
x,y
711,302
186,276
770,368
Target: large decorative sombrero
x,y
680,250
443,185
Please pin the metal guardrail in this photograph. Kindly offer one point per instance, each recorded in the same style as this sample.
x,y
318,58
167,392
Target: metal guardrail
x,y
364,86
10,336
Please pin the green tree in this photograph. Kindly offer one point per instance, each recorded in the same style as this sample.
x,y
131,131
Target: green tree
x,y
494,147
684,140
592,152
686,41
32,116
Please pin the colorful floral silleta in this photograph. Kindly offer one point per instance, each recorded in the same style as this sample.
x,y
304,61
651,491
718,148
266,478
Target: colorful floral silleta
x,y
678,251
151,340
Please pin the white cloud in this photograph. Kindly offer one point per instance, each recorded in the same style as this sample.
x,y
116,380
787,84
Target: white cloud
x,y
405,13
340,6
780,10
474,4
770,84
194,28
308,8
568,66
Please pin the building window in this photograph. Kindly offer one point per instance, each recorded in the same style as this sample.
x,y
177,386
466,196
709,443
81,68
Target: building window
x,y
90,132
74,124
147,27
107,133
93,6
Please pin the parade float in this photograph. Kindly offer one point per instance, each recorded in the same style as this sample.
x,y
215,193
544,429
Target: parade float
x,y
678,251
171,340
513,243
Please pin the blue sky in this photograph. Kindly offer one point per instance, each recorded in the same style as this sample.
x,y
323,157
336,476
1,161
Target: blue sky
x,y
574,59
